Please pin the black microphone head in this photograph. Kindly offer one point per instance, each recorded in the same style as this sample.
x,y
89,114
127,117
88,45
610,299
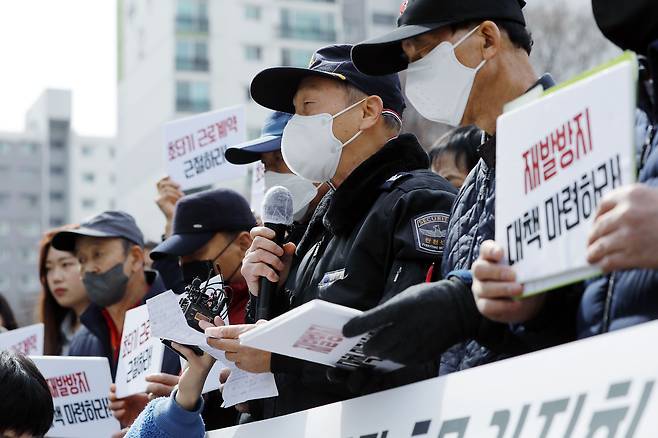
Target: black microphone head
x,y
277,206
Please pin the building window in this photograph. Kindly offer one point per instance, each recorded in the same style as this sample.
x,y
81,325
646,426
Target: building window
x,y
57,145
112,178
192,55
5,283
87,151
5,228
30,200
384,19
252,12
28,228
29,149
192,16
296,57
56,170
307,25
253,53
88,177
192,97
112,152
56,221
88,203
56,196
4,148
4,199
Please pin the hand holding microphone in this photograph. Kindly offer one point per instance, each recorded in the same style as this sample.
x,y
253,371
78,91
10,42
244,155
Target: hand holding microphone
x,y
268,260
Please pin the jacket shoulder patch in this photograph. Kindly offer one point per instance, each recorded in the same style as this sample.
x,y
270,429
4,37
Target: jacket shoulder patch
x,y
430,232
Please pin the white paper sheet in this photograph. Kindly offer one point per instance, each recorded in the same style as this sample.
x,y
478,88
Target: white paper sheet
x,y
168,322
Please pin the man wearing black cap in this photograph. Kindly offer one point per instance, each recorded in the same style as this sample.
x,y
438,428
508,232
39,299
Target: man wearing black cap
x,y
465,59
305,194
209,235
377,232
110,250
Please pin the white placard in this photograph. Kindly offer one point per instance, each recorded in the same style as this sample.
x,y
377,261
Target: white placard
x,y
140,353
601,387
80,388
555,158
26,340
194,147
314,332
257,187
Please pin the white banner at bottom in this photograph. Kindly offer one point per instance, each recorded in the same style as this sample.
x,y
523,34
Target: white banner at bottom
x,y
600,387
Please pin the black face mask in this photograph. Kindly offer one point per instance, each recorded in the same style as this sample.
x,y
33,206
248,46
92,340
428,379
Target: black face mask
x,y
205,269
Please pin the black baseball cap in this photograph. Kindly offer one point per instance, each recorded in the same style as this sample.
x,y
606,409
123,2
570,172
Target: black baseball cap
x,y
269,141
200,216
384,55
630,24
106,224
275,88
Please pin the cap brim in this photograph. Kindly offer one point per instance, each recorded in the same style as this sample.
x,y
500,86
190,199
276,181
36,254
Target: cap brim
x,y
384,55
65,240
251,151
181,245
275,88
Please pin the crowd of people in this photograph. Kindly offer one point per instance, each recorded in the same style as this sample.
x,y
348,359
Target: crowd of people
x,y
364,193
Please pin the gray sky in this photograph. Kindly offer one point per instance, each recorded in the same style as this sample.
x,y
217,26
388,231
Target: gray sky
x,y
61,44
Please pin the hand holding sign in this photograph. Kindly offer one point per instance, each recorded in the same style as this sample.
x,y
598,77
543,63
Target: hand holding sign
x,y
127,409
625,231
495,288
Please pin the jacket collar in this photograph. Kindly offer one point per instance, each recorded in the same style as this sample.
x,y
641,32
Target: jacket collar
x,y
356,195
487,149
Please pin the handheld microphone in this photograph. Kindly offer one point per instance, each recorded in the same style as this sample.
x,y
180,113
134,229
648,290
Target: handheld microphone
x,y
277,216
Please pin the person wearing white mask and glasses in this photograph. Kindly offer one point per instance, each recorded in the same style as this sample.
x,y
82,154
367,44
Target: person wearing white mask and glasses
x,y
267,149
377,231
464,60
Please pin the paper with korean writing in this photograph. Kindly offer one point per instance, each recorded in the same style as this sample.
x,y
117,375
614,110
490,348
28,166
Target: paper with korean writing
x,y
194,147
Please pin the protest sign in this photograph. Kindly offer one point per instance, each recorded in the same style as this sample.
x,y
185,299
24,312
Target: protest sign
x,y
140,353
80,387
556,157
27,340
603,386
194,147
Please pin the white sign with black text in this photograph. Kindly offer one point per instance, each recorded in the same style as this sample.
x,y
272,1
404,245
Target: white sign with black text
x,y
556,157
80,387
194,147
604,386
140,353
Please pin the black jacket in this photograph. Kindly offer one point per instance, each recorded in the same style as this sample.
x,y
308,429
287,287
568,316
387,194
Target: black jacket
x,y
93,338
471,223
376,235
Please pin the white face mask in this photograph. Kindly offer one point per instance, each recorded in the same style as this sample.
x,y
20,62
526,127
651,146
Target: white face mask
x,y
439,86
303,191
310,148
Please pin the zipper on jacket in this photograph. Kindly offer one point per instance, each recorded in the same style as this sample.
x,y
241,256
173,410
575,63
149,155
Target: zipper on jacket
x,y
607,310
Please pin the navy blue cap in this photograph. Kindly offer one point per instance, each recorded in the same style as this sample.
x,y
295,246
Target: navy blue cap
x,y
106,224
200,216
269,141
275,88
384,55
